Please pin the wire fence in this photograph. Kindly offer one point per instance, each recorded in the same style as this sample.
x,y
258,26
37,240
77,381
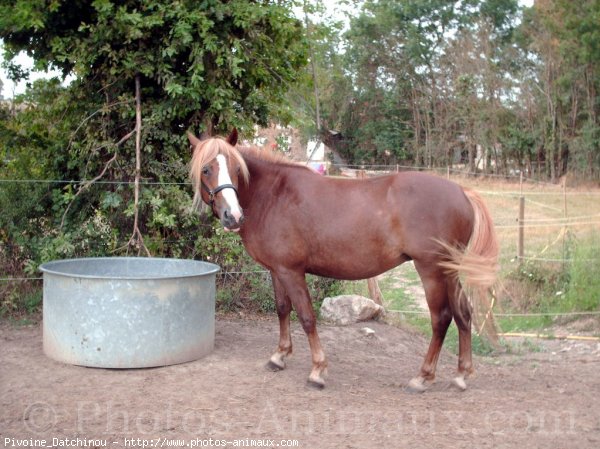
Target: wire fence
x,y
86,181
370,169
508,315
461,171
549,190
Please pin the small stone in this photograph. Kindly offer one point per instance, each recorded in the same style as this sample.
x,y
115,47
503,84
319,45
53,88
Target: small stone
x,y
367,332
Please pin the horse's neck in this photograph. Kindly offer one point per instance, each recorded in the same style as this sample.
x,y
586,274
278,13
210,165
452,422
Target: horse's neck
x,y
263,175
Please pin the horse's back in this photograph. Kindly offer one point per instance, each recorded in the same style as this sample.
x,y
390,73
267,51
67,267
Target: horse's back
x,y
387,219
418,207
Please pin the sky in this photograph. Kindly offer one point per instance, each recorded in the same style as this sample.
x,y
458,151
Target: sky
x,y
9,90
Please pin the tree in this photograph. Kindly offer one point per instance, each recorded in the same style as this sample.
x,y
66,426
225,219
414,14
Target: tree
x,y
562,39
206,65
405,63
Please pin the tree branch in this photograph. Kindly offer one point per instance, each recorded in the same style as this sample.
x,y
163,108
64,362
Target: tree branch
x,y
87,184
89,117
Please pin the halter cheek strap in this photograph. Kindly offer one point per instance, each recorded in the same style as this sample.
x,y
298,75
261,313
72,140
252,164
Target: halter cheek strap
x,y
213,193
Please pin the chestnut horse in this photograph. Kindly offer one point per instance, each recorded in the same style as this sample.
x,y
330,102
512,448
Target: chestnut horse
x,y
294,221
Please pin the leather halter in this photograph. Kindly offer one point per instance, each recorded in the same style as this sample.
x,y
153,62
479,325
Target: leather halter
x,y
213,193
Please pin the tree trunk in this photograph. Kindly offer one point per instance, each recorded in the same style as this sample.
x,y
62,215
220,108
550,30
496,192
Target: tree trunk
x,y
137,240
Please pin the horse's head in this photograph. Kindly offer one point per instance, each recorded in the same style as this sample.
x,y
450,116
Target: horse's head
x,y
217,169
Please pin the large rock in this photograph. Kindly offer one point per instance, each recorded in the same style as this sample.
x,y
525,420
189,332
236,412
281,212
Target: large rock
x,y
347,309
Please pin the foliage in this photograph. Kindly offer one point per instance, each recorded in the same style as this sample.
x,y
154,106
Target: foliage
x,y
480,83
202,65
542,282
224,60
404,68
212,65
483,83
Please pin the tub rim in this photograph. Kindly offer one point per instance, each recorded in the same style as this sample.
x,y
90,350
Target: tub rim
x,y
52,268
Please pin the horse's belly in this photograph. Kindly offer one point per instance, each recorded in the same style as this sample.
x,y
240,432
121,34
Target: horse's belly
x,y
351,268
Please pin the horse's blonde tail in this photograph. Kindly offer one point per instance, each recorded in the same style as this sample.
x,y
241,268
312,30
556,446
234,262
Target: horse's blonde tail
x,y
476,267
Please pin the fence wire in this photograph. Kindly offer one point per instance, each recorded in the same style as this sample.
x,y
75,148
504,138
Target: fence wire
x,y
563,222
507,315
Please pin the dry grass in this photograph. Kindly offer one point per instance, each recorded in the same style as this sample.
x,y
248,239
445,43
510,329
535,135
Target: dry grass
x,y
545,216
555,219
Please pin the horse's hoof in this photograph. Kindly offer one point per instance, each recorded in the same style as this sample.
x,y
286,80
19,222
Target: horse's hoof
x,y
416,385
459,382
274,367
316,384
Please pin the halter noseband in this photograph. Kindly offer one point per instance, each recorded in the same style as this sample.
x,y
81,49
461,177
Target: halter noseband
x,y
213,193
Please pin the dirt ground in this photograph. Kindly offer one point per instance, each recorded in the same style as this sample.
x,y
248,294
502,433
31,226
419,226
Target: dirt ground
x,y
548,398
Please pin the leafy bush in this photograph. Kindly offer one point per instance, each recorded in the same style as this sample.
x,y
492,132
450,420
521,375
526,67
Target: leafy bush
x,y
556,288
534,282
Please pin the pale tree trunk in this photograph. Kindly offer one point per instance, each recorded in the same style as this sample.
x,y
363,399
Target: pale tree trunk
x,y
137,240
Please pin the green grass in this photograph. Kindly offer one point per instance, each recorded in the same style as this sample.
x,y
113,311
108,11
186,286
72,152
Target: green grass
x,y
556,289
15,302
524,324
584,277
397,296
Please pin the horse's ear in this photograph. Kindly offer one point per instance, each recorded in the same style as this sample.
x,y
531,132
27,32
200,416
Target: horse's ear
x,y
233,137
194,141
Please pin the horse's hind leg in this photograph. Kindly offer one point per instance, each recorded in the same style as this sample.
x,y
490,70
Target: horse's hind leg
x,y
436,293
462,317
284,307
294,285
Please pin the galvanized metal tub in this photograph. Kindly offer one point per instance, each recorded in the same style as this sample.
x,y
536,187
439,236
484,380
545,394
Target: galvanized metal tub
x,y
128,312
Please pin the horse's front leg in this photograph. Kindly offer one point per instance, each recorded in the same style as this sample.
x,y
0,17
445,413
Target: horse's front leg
x,y
284,307
294,284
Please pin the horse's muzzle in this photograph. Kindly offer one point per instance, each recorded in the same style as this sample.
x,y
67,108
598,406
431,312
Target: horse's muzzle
x,y
230,222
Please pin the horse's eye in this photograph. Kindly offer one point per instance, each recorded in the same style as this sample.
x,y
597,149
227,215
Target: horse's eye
x,y
205,171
